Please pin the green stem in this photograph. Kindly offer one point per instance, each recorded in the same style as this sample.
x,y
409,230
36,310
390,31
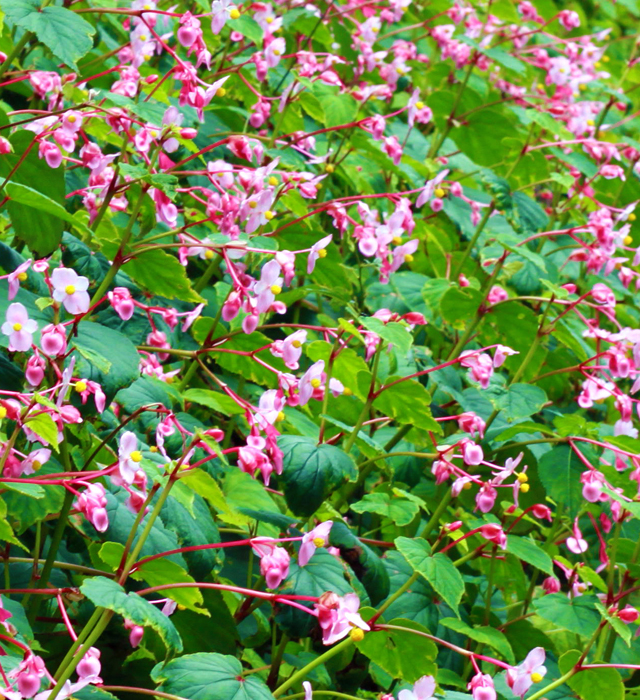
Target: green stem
x,y
318,661
403,589
474,239
276,660
435,517
4,67
95,616
325,398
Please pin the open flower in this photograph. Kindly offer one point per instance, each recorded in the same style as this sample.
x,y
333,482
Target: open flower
x,y
318,537
423,689
19,327
531,670
71,290
129,457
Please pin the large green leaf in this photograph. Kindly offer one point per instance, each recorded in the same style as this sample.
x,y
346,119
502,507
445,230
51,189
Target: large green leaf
x,y
592,684
311,472
531,552
408,402
105,593
62,31
162,274
209,677
578,615
559,471
437,569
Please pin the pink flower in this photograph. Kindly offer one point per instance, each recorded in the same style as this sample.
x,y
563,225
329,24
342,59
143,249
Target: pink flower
x,y
569,19
53,340
310,381
576,544
471,453
274,561
129,457
290,349
423,689
92,503
318,537
496,294
51,153
71,290
531,670
551,585
19,327
485,498
338,616
120,299
17,276
89,667
500,354
35,460
628,614
308,694
494,533
268,286
317,251
481,687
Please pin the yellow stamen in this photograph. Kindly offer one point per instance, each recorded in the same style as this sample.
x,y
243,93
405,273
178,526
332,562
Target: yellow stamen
x,y
536,677
318,541
234,14
628,240
17,326
525,488
296,343
273,181
69,289
329,167
81,386
357,634
22,276
253,205
208,254
315,383
347,391
396,240
276,289
322,253
268,215
467,485
221,92
606,59
522,478
590,122
631,217
439,193
36,465
280,417
269,20
419,105
408,258
3,412
136,456
153,449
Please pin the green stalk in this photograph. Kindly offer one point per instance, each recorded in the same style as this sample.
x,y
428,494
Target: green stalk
x,y
318,661
4,67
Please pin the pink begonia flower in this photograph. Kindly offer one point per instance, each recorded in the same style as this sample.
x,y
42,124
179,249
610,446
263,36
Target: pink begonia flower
x,y
290,349
274,561
471,453
628,614
494,533
35,460
318,537
19,327
531,670
338,616
500,354
268,287
70,289
429,188
592,483
17,276
53,340
481,687
120,299
129,456
496,294
471,423
89,667
576,544
569,19
310,380
485,498
551,585
135,636
423,689
92,503
317,251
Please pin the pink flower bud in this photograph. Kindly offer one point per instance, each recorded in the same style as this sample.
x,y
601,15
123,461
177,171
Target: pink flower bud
x,y
53,340
188,133
628,614
551,584
35,370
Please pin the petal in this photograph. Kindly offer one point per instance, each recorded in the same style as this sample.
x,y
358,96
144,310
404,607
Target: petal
x,y
128,443
424,687
16,313
63,276
20,341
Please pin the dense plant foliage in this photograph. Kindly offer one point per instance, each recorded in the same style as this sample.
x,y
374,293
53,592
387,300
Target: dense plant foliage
x,y
319,350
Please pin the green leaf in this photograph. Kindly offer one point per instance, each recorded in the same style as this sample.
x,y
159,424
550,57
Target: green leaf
x,y
215,400
32,198
39,229
521,401
396,334
483,635
403,655
108,357
399,510
62,31
346,365
559,471
578,615
247,26
311,472
105,593
437,569
339,108
592,683
209,677
44,427
459,305
408,402
621,628
162,274
531,552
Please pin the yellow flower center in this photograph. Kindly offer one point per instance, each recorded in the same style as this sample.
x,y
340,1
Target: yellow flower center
x,y
276,289
36,465
597,64
3,412
628,240
590,122
315,383
396,240
330,167
408,257
153,133
540,86
268,215
253,205
276,52
81,386
347,391
269,20
153,449
467,485
146,56
536,677
522,478
296,343
136,456
631,217
322,253
582,86
208,254
273,181
143,37
234,14
357,634
318,541
280,417
419,105
17,326
439,192
606,59
69,289
221,92
525,488
72,118
22,276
